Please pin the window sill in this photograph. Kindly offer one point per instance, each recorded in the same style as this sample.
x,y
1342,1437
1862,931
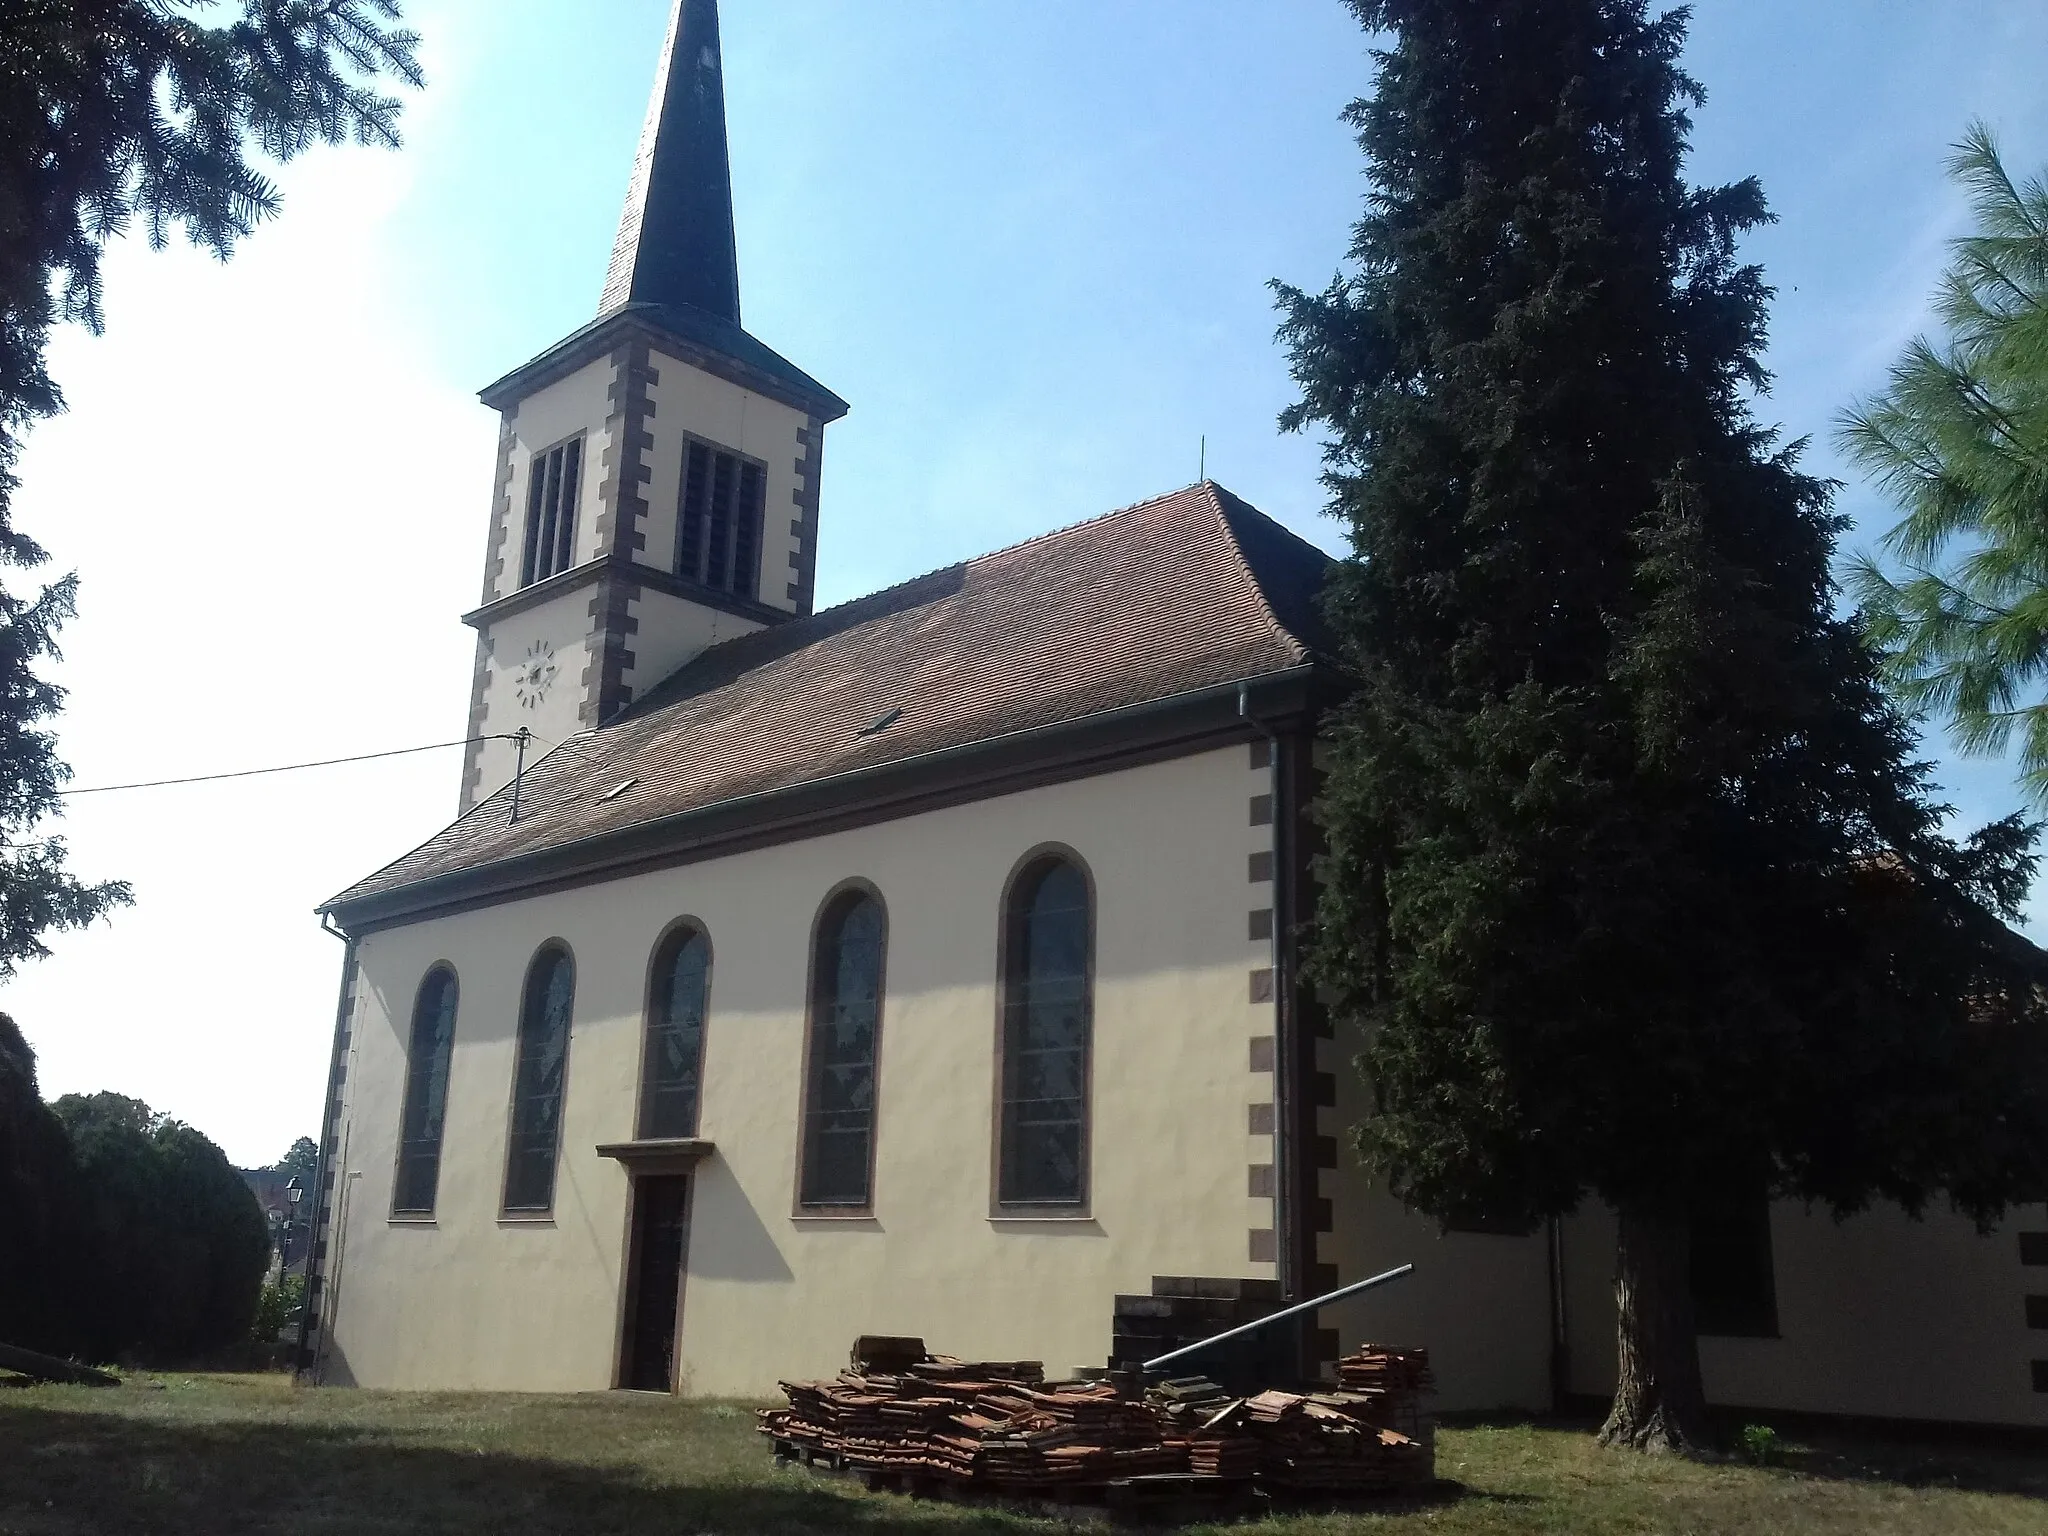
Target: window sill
x,y
842,1217
526,1219
411,1219
1026,1219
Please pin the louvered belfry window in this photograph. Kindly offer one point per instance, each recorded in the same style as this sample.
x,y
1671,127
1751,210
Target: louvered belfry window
x,y
718,529
552,482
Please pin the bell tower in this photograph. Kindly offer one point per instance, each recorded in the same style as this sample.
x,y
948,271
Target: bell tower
x,y
657,471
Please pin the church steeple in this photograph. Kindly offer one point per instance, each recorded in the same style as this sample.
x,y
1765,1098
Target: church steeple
x,y
675,241
657,476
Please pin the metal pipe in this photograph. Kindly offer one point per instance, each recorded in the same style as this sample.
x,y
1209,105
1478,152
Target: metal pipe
x,y
1281,1316
314,1307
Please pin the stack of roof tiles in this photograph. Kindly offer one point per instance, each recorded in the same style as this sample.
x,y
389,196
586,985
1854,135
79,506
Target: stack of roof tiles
x,y
995,1424
1319,1442
1000,1428
1396,1381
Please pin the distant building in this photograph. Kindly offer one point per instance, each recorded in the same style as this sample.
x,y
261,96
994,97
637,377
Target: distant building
x,y
925,965
287,1241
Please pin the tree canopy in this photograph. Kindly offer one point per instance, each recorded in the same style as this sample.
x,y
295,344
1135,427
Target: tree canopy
x,y
123,1233
41,1244
176,1244
1959,438
120,116
303,1160
1633,883
118,1230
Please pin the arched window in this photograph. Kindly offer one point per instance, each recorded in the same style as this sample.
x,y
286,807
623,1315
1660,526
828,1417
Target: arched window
x,y
839,1081
539,1077
426,1095
1047,1013
676,1003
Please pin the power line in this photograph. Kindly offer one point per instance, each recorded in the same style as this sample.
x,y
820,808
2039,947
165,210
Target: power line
x,y
250,773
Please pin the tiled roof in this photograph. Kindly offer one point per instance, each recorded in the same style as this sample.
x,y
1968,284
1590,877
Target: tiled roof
x,y
1192,590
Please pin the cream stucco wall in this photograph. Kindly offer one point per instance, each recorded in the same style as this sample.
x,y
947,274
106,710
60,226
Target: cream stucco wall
x,y
580,402
563,628
1878,1315
670,631
1479,1302
688,401
469,1301
667,630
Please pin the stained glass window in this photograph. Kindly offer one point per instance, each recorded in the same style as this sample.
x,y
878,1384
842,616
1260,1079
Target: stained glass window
x,y
1047,1013
426,1094
675,1035
539,1077
846,1017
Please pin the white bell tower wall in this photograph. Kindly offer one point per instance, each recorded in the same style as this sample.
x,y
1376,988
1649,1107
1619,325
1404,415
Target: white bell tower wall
x,y
617,605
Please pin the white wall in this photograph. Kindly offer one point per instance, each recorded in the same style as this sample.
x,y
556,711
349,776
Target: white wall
x,y
472,1302
1480,1303
1878,1315
563,625
578,403
671,631
688,400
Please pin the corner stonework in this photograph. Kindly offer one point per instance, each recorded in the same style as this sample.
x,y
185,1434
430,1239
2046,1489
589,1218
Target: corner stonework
x,y
622,506
494,575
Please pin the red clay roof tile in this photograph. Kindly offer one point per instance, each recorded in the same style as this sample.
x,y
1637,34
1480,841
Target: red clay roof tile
x,y
1172,595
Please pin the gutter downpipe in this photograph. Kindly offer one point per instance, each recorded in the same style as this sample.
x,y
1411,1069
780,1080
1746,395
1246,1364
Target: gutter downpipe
x,y
323,1206
1286,1218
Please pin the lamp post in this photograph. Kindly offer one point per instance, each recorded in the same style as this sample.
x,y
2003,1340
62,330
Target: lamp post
x,y
293,1194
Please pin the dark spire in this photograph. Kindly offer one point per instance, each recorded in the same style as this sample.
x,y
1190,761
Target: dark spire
x,y
675,242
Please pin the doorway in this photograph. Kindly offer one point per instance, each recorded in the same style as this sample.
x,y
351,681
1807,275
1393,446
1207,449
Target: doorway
x,y
654,1292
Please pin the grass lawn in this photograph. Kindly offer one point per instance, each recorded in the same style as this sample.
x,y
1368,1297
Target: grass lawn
x,y
233,1454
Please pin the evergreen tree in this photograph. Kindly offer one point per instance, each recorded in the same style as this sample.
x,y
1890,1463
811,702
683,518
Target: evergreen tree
x,y
1960,438
178,1244
113,114
303,1160
1631,879
42,1249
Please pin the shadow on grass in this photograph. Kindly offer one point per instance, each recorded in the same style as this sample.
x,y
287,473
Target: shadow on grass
x,y
65,1473
1968,1458
1909,1462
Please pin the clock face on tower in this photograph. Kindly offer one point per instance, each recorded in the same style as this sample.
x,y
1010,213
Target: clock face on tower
x,y
532,678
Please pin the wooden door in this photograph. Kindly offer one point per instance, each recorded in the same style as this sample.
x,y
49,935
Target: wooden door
x,y
661,1240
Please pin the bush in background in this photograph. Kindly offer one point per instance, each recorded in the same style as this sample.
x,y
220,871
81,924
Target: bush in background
x,y
277,1308
179,1246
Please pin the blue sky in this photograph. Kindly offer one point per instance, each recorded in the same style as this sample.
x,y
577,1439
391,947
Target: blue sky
x,y
1028,242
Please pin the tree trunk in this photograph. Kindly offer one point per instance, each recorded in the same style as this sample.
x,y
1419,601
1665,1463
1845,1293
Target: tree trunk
x,y
1659,1403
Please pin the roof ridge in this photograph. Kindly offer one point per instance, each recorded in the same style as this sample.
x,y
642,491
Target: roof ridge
x,y
1306,543
1216,494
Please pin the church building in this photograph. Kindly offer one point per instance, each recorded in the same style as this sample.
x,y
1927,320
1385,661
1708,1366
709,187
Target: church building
x,y
926,964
